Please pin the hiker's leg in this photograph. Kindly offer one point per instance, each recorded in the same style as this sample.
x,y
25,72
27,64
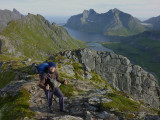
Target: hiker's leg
x,y
49,95
59,94
50,99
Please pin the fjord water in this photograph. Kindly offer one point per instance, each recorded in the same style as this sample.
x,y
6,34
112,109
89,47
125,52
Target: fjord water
x,y
92,39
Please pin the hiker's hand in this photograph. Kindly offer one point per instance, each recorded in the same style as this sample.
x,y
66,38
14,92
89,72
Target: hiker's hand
x,y
65,82
47,87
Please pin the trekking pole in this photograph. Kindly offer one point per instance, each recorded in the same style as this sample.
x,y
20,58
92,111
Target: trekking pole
x,y
67,91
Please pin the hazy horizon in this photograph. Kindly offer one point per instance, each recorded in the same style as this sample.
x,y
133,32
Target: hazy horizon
x,y
142,9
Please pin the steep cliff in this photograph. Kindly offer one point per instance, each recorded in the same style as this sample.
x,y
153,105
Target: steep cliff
x,y
119,73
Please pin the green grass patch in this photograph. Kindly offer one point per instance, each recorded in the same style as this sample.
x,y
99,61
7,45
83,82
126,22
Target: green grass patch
x,y
154,110
70,91
16,107
64,76
122,103
98,81
10,58
78,69
6,77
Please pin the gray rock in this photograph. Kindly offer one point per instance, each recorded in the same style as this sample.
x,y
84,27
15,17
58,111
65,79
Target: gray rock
x,y
88,116
94,100
68,69
67,117
105,100
88,75
29,60
104,115
125,61
120,73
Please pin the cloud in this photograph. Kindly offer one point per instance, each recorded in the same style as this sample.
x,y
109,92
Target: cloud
x,y
138,8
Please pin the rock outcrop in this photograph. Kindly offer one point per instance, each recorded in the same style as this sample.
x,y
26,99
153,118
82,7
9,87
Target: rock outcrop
x,y
6,16
119,73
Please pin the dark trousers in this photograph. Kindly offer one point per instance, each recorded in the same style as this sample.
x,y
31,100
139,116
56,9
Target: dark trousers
x,y
58,93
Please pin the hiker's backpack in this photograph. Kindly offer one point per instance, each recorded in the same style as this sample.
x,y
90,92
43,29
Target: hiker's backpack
x,y
42,68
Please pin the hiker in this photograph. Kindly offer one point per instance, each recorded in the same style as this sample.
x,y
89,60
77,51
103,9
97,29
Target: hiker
x,y
48,85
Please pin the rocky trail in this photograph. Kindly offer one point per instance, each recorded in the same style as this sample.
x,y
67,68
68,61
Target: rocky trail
x,y
89,97
83,106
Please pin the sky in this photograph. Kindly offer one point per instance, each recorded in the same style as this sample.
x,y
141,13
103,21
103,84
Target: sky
x,y
141,9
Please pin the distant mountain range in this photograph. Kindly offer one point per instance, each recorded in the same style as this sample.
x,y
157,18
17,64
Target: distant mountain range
x,y
33,36
113,22
6,16
155,21
101,84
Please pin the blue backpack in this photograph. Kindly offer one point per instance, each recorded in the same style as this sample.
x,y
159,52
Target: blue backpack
x,y
42,68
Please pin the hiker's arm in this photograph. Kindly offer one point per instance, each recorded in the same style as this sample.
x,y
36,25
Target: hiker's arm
x,y
43,80
58,79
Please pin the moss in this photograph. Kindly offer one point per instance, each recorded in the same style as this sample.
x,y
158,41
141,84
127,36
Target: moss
x,y
99,82
77,65
64,76
122,103
156,111
121,93
6,77
16,107
129,115
59,58
10,58
69,91
10,69
141,102
78,69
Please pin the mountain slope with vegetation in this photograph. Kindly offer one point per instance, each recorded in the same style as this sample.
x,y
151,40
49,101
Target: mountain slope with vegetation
x,y
155,21
35,37
89,96
6,16
142,49
114,23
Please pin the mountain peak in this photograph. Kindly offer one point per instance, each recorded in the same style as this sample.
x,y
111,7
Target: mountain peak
x,y
90,11
14,10
17,12
115,10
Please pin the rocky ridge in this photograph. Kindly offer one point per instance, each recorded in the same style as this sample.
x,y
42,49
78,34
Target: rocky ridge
x,y
6,16
119,73
88,93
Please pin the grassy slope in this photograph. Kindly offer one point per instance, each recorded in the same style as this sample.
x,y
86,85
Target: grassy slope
x,y
17,107
137,55
132,27
32,38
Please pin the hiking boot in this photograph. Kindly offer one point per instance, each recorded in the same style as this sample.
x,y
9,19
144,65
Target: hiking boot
x,y
64,111
50,110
